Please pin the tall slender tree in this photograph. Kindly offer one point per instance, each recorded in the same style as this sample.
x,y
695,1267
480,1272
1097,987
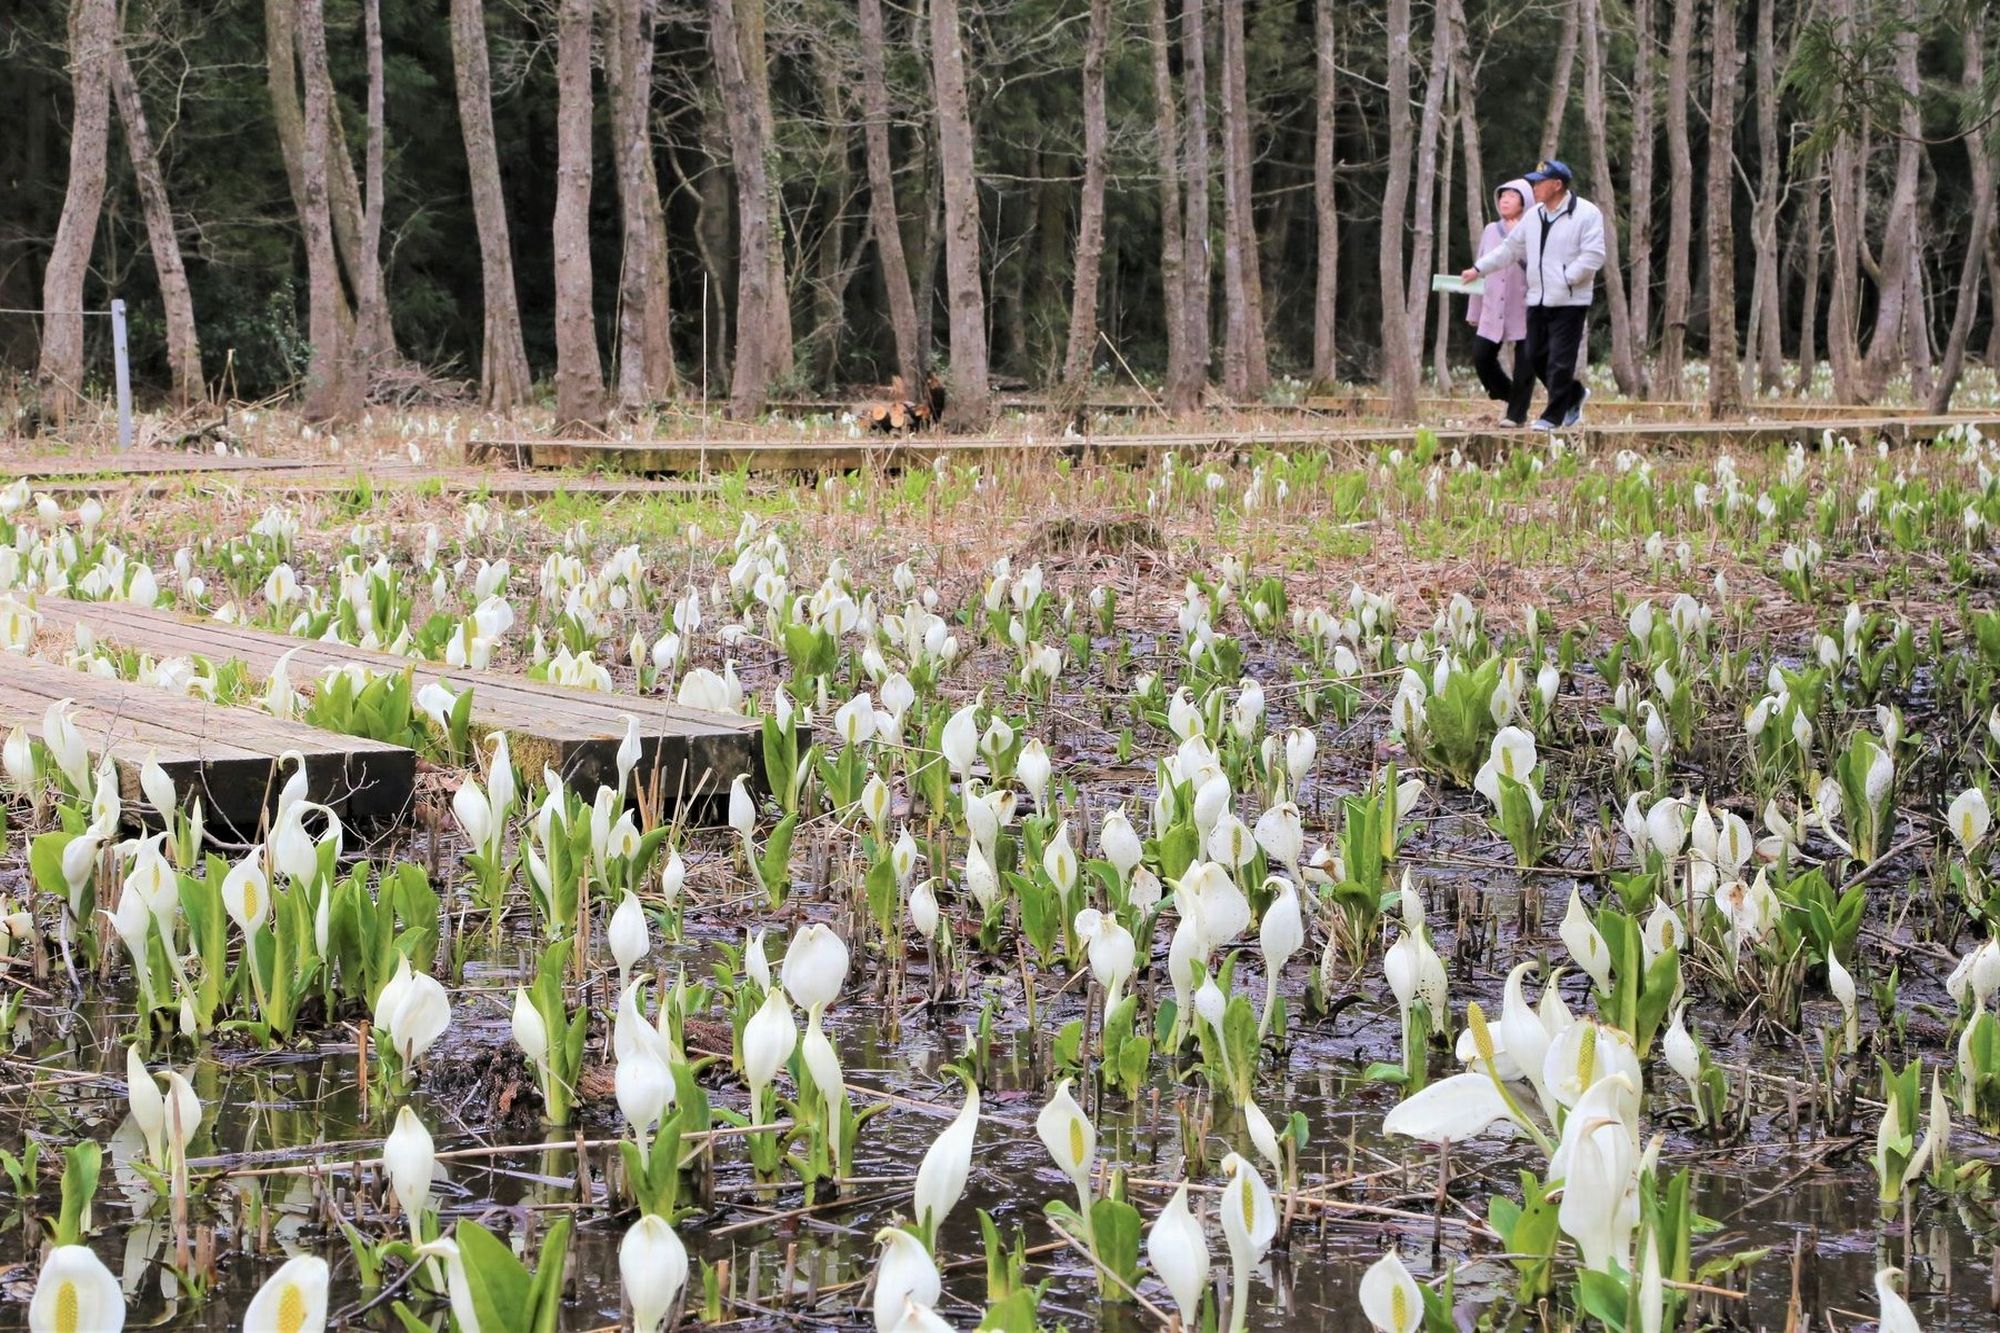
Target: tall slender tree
x,y
628,44
176,299
1245,365
1645,67
763,321
1197,270
1845,163
1566,45
331,393
1807,234
1766,309
579,376
1623,366
1680,189
281,58
503,358
1399,358
1183,378
1326,212
884,223
969,400
92,29
1725,381
1425,221
1082,347
1896,285
750,37
1979,152
371,296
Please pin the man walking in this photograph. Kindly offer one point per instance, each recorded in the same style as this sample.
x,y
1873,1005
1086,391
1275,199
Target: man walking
x,y
1562,244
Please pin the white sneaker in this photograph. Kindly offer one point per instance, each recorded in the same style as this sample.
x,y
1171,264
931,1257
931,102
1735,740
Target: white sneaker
x,y
1575,417
1539,424
1509,423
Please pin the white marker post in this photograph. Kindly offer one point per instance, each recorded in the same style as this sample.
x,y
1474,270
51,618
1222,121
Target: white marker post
x,y
121,374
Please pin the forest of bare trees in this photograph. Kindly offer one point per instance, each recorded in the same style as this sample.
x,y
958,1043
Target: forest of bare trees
x,y
626,200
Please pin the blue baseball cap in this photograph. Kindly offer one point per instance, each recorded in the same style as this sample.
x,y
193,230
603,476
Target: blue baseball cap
x,y
1548,169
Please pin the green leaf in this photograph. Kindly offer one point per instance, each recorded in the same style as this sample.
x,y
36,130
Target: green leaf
x,y
545,1300
1014,1314
1115,1227
45,860
81,1163
1604,1297
501,1290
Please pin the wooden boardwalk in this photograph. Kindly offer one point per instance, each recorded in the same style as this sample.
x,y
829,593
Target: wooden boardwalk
x,y
20,461
704,455
154,476
1363,404
227,756
693,755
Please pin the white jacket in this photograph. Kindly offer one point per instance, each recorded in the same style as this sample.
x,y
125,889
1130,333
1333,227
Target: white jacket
x,y
1562,252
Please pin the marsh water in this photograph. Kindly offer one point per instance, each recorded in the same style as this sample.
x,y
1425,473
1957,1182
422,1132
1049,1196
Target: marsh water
x,y
288,1149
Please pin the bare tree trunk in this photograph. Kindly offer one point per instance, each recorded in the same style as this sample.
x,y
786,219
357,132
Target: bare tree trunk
x,y
331,394
579,377
1441,337
1326,214
1559,84
503,360
1993,287
1809,246
1680,221
177,302
757,81
1245,367
883,223
1844,198
1644,86
92,29
710,187
1767,309
662,375
832,266
1979,148
371,301
1466,74
1399,358
627,48
371,339
344,198
1725,381
1194,236
755,361
969,403
1623,368
1419,289
1182,377
1916,316
1844,306
928,263
1894,289
1090,209
281,55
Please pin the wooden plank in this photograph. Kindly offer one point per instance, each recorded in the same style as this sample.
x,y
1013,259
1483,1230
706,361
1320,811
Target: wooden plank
x,y
227,755
1358,402
504,486
142,462
698,754
699,455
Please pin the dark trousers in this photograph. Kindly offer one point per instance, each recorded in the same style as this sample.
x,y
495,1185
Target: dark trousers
x,y
1555,333
1517,390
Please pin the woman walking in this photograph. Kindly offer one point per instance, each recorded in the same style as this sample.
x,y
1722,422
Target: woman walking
x,y
1501,315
